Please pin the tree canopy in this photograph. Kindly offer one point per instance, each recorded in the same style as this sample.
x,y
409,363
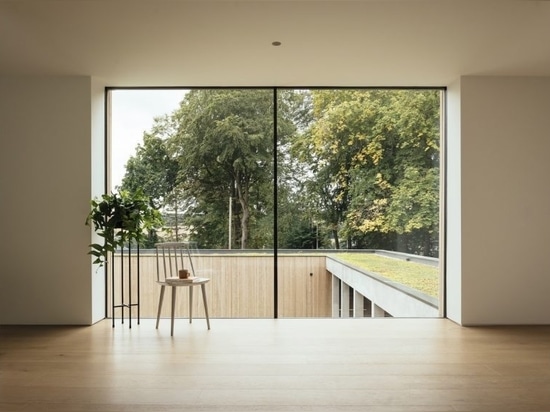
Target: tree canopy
x,y
353,167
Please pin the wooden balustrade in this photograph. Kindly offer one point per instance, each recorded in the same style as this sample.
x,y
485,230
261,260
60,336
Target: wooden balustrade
x,y
241,286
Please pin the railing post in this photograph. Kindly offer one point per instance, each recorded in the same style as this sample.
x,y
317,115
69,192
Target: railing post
x,y
377,311
335,297
358,305
345,300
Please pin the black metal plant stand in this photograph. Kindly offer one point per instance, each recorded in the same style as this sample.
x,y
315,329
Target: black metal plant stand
x,y
125,304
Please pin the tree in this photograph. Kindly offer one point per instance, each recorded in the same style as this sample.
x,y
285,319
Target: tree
x,y
224,146
400,196
217,146
332,146
369,151
152,169
363,164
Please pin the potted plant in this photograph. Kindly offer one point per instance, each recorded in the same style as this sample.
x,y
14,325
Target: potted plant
x,y
120,219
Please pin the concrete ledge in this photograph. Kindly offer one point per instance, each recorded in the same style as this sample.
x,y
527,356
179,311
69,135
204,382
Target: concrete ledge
x,y
396,299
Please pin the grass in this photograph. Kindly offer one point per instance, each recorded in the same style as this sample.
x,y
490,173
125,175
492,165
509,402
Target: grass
x,y
421,277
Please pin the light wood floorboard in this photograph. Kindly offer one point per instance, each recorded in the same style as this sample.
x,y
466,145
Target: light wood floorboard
x,y
314,365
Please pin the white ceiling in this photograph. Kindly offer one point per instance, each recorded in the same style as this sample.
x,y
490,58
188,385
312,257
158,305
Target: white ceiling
x,y
228,43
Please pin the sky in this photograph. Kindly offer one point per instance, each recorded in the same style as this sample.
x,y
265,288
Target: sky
x,y
133,113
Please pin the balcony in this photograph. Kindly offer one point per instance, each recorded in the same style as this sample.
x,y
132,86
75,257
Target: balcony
x,y
311,284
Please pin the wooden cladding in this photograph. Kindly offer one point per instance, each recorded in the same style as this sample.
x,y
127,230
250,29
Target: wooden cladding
x,y
241,286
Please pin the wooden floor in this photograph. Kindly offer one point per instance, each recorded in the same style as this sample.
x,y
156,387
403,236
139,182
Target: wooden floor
x,y
279,365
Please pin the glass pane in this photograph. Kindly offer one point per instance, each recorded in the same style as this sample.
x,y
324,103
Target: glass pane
x,y
207,164
357,195
358,198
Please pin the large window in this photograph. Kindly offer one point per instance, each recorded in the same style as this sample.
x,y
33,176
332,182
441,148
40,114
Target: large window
x,y
274,183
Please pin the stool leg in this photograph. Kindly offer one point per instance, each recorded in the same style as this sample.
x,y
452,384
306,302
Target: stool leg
x,y
173,310
160,304
203,289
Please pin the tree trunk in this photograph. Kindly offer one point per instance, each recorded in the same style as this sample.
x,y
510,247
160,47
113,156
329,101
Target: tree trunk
x,y
336,240
242,194
176,219
244,226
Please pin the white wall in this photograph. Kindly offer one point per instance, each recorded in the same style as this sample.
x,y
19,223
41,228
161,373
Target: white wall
x,y
498,223
97,145
453,222
505,201
45,169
